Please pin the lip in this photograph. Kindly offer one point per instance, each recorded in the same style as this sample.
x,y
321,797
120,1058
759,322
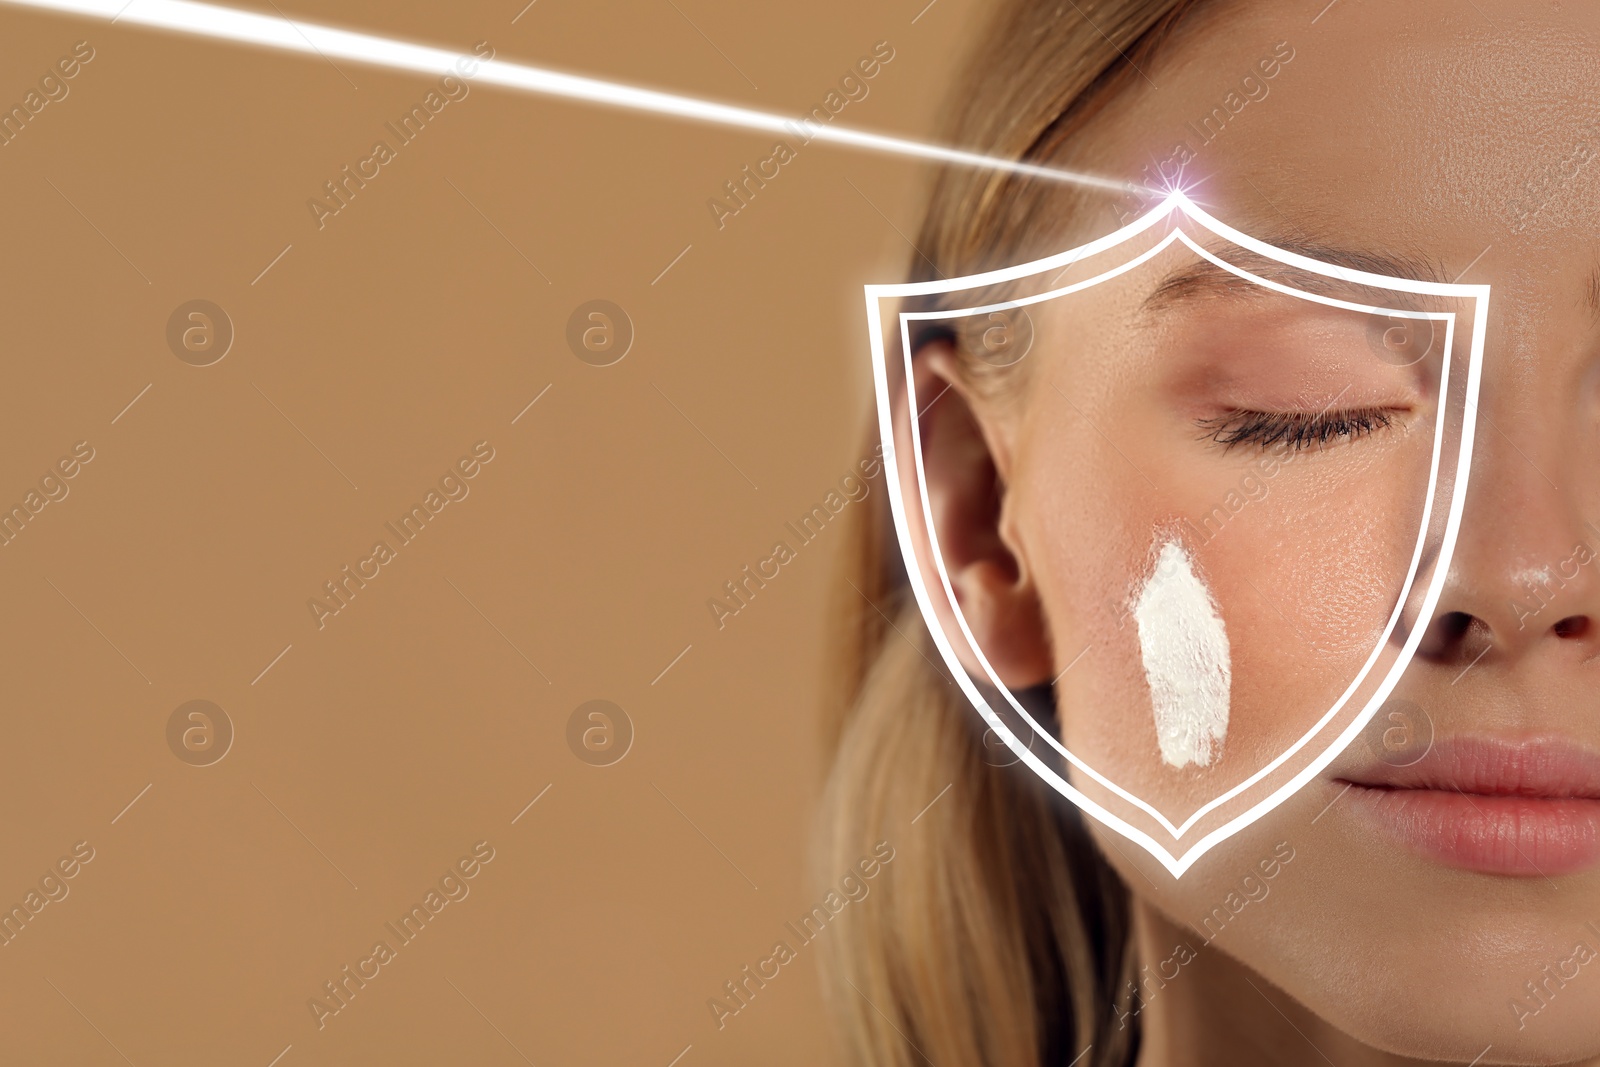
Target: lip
x,y
1528,808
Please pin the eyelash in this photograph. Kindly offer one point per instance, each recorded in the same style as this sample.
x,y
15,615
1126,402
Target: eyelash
x,y
1295,429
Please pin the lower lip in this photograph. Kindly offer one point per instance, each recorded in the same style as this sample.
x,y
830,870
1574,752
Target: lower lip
x,y
1526,836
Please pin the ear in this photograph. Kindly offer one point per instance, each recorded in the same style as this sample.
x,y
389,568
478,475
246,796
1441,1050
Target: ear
x,y
966,495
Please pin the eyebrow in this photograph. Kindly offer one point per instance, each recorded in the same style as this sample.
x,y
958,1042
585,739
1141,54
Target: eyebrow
x,y
1204,279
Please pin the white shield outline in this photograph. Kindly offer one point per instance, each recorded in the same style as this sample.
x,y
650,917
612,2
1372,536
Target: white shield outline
x,y
1180,862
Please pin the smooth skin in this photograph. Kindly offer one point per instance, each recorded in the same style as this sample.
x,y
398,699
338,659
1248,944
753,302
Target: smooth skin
x,y
1461,135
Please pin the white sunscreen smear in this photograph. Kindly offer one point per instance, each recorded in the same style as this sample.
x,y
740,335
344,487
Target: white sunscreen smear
x,y
1186,659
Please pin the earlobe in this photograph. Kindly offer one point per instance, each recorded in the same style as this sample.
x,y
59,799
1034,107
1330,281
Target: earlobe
x,y
966,498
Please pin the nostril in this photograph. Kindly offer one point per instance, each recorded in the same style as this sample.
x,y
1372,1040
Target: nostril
x,y
1446,635
1452,626
1572,627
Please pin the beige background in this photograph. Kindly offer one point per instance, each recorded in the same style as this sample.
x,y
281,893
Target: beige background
x,y
367,359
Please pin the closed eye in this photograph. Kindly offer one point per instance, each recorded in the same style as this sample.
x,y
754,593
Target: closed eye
x,y
1292,429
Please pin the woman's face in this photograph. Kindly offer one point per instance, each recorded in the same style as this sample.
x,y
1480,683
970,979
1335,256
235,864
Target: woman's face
x,y
1454,904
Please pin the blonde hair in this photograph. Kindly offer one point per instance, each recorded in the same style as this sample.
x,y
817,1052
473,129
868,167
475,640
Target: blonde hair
x,y
999,936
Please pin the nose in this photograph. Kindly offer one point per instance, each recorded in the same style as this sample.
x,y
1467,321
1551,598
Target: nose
x,y
1525,578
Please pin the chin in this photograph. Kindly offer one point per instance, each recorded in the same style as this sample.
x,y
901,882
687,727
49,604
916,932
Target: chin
x,y
1457,973
1444,1023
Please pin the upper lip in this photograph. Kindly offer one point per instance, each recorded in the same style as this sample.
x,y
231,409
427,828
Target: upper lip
x,y
1535,769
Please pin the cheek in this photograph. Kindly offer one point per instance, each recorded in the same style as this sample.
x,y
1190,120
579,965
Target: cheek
x,y
1093,533
1310,577
1304,579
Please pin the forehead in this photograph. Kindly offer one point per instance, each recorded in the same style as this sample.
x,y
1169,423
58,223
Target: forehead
x,y
1439,126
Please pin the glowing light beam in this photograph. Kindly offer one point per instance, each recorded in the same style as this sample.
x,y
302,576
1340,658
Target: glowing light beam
x,y
277,32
